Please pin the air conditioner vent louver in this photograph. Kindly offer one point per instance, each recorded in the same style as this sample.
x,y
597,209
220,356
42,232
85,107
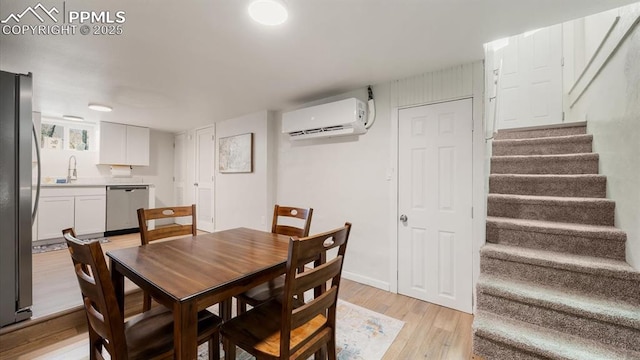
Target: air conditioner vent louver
x,y
345,117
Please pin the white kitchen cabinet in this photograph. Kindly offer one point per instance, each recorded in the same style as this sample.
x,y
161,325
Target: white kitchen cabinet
x,y
83,208
124,144
137,145
113,143
54,214
90,214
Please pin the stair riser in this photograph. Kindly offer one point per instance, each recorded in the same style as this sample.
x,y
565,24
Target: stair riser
x,y
579,245
574,130
502,149
544,166
605,286
490,350
558,186
605,332
594,214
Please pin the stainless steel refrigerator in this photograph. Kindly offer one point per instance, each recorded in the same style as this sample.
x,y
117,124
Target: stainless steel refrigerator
x,y
16,209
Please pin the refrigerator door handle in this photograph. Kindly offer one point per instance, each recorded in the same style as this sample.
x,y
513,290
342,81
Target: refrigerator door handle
x,y
37,145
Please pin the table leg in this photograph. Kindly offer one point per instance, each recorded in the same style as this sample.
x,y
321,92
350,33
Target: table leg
x,y
118,283
225,309
185,330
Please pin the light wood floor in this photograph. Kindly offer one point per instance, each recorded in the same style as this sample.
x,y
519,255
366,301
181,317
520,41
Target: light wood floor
x,y
430,331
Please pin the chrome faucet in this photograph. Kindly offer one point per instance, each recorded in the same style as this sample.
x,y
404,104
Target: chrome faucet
x,y
72,174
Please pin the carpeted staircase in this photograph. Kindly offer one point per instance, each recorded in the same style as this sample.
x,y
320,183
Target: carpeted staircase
x,y
554,283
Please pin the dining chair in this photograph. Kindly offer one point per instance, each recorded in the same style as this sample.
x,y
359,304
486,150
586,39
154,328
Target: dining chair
x,y
147,236
163,232
283,223
290,327
148,335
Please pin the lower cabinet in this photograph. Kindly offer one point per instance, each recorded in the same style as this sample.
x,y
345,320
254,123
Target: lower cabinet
x,y
83,208
90,214
54,214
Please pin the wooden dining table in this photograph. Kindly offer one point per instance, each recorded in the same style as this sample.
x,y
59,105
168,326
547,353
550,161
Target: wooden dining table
x,y
192,273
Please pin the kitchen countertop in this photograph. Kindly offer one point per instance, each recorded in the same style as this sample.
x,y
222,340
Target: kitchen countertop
x,y
92,185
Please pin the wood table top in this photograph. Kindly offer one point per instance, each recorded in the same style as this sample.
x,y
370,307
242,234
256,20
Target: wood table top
x,y
187,267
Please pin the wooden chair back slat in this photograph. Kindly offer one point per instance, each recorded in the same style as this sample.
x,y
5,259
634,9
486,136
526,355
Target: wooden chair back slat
x,y
169,231
311,309
312,278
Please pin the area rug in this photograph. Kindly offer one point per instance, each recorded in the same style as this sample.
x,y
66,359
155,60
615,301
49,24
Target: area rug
x,y
362,334
38,249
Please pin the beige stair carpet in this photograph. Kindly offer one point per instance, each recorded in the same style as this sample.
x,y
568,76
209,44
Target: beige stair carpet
x,y
554,283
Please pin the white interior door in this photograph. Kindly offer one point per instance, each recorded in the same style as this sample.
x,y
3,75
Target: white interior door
x,y
434,180
530,85
205,147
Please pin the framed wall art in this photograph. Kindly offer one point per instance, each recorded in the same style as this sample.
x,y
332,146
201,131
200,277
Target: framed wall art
x,y
235,154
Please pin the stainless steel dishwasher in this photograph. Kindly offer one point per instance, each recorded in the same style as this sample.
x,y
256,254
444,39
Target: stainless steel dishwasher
x,y
122,203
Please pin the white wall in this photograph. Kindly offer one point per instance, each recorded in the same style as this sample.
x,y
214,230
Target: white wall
x,y
160,169
345,179
611,106
246,200
353,178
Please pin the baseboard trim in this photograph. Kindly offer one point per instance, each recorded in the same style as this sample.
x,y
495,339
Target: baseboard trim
x,y
366,280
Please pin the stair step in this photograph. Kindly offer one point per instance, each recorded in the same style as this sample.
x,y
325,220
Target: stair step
x,y
572,144
611,322
536,342
579,239
592,211
545,164
582,185
608,278
538,133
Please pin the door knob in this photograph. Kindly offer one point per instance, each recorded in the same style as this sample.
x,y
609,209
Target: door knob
x,y
403,218
195,184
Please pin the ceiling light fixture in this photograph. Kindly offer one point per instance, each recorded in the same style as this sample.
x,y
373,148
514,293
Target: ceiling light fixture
x,y
98,107
72,118
268,12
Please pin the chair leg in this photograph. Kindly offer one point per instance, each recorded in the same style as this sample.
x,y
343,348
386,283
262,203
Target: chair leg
x,y
214,347
229,349
241,307
331,348
146,302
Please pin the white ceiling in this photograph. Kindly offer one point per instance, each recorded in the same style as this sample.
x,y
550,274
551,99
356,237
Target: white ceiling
x,y
184,64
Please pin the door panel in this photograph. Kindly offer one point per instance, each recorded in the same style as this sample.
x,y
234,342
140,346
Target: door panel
x,y
530,91
204,178
435,164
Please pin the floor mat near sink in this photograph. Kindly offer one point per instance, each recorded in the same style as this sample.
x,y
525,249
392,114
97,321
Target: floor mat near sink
x,y
38,249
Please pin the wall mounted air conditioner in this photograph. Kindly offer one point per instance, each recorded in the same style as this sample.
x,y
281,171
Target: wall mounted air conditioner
x,y
344,117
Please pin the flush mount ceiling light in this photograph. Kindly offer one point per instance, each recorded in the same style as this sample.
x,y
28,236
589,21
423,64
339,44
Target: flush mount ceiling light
x,y
72,118
268,12
99,107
